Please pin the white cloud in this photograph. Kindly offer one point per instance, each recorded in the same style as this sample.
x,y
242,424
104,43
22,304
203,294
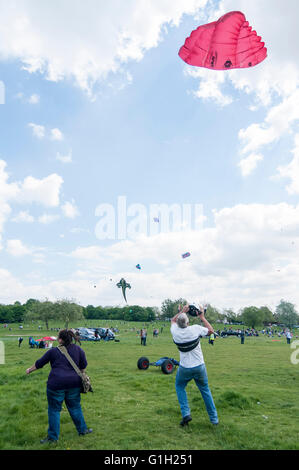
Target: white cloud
x,y
17,248
291,171
273,84
249,163
70,210
278,121
23,216
34,99
45,191
209,87
38,130
278,75
56,134
8,191
88,41
65,158
47,219
248,257
79,230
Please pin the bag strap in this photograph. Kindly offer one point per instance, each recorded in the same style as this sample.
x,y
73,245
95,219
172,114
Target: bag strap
x,y
189,346
63,350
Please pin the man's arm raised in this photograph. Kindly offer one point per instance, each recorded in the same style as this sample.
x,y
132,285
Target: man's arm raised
x,y
205,321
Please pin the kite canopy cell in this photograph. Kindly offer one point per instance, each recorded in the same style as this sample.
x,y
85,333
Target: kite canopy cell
x,y
228,43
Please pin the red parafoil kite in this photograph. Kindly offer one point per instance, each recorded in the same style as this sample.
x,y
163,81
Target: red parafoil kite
x,y
228,43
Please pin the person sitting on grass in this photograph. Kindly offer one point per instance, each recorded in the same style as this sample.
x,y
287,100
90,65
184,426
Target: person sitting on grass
x,y
64,384
192,366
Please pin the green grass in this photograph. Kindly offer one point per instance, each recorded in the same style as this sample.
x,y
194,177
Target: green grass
x,y
255,389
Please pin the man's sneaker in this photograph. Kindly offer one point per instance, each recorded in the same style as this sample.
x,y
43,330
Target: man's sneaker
x,y
88,431
185,420
47,440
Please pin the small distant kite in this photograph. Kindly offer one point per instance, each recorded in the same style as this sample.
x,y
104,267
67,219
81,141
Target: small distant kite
x,y
123,285
138,266
156,219
186,255
228,43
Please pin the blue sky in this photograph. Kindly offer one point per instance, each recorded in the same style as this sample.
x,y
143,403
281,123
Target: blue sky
x,y
141,132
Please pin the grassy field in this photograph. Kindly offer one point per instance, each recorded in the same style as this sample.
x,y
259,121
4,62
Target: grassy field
x,y
255,389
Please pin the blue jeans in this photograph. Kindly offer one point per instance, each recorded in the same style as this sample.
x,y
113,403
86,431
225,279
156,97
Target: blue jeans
x,y
199,374
72,399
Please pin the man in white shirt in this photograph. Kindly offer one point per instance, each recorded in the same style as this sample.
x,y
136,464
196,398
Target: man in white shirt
x,y
192,365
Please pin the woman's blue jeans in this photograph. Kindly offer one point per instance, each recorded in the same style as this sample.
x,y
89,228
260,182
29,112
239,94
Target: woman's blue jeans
x,y
72,399
199,374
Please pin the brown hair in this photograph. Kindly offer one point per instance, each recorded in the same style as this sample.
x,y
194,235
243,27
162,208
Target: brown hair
x,y
67,337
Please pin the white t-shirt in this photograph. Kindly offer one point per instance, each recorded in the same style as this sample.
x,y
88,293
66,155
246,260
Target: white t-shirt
x,y
192,358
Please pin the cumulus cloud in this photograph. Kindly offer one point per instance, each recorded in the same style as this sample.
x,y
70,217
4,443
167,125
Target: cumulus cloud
x,y
47,219
85,41
17,248
273,84
23,216
70,210
45,191
65,158
37,130
279,120
40,132
248,256
291,170
210,85
249,163
32,99
56,134
8,191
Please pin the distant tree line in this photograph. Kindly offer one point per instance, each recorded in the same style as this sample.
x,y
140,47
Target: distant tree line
x,y
67,311
284,314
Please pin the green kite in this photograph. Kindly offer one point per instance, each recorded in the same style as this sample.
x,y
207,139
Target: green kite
x,y
123,285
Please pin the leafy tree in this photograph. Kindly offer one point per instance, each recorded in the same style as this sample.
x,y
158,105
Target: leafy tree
x,y
212,314
252,316
231,316
268,316
12,313
151,314
157,312
286,313
170,307
68,311
90,312
43,311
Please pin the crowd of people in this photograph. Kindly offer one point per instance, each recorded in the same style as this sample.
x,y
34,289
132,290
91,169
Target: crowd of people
x,y
64,383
